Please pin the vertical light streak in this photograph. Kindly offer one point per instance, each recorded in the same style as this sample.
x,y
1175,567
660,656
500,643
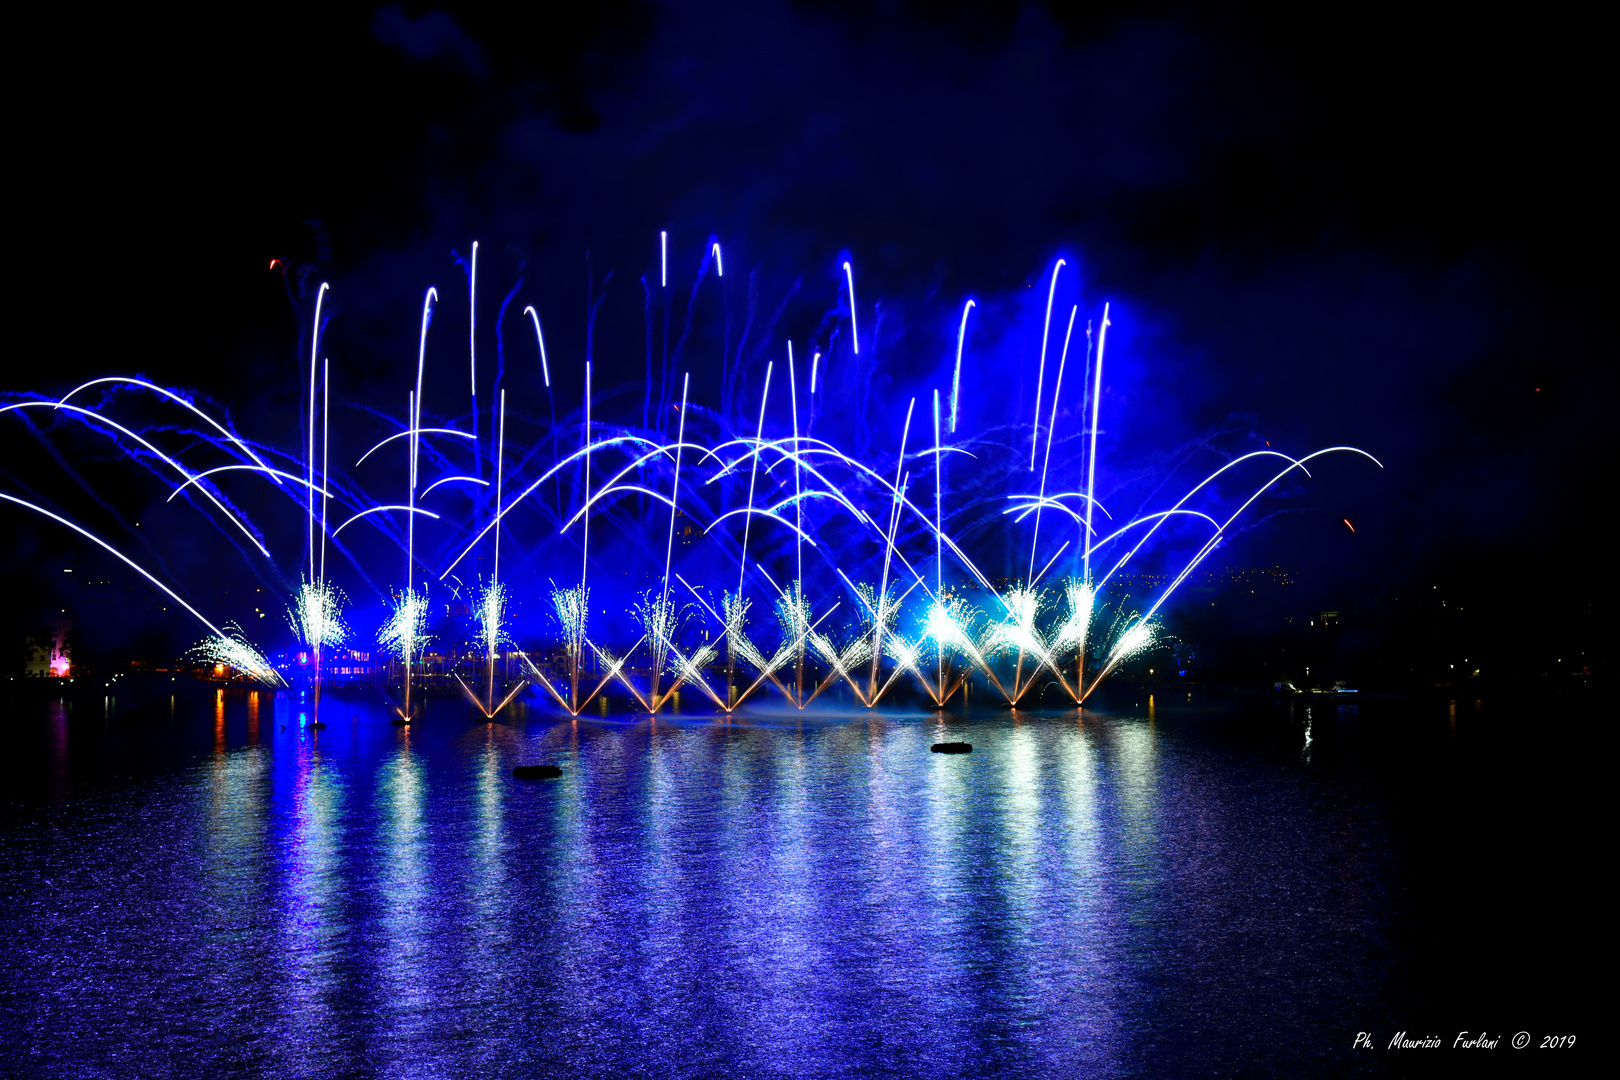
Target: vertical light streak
x,y
661,614
415,406
815,362
428,301
1046,331
472,349
545,369
675,492
495,570
326,460
410,545
719,265
1091,468
416,399
854,330
1091,486
753,473
888,552
578,638
663,259
939,534
314,348
326,478
551,402
956,379
1051,428
798,503
585,540
500,456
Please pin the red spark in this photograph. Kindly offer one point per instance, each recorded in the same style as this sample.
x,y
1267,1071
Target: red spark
x,y
1347,524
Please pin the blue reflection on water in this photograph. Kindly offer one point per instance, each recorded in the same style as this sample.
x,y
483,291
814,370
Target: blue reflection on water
x,y
311,903
794,896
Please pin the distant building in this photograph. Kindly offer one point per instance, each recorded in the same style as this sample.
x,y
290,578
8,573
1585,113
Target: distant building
x,y
48,657
337,665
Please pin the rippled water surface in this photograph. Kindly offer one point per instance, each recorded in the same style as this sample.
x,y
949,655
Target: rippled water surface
x,y
210,887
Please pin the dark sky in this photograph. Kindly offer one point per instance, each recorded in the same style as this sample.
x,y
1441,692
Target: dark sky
x,y
1364,225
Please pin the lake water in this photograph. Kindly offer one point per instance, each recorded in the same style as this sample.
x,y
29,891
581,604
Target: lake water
x,y
208,887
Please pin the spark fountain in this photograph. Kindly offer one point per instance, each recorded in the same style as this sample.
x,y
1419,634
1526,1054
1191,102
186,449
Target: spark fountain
x,y
874,593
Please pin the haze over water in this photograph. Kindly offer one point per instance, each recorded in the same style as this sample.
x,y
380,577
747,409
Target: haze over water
x,y
215,889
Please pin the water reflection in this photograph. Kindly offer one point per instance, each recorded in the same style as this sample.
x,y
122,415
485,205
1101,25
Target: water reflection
x,y
486,881
56,721
1084,930
793,896
789,952
1136,761
312,923
233,878
404,897
665,822
1020,808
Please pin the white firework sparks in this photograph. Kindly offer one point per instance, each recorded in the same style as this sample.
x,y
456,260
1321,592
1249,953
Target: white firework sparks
x,y
660,617
404,633
1016,632
316,617
1134,641
1082,601
572,608
491,614
793,614
234,651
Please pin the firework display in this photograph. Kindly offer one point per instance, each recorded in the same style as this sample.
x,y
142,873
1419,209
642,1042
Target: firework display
x,y
774,562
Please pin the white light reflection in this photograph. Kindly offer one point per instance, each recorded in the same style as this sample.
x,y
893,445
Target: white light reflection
x,y
312,916
488,885
406,899
1137,800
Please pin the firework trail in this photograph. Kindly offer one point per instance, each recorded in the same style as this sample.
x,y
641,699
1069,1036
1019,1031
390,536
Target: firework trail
x,y
821,525
234,651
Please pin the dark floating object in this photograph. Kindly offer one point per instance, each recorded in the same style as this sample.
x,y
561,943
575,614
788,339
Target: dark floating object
x,y
319,725
537,772
399,721
952,748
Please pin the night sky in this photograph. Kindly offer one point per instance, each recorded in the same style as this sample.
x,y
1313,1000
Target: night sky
x,y
1359,225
